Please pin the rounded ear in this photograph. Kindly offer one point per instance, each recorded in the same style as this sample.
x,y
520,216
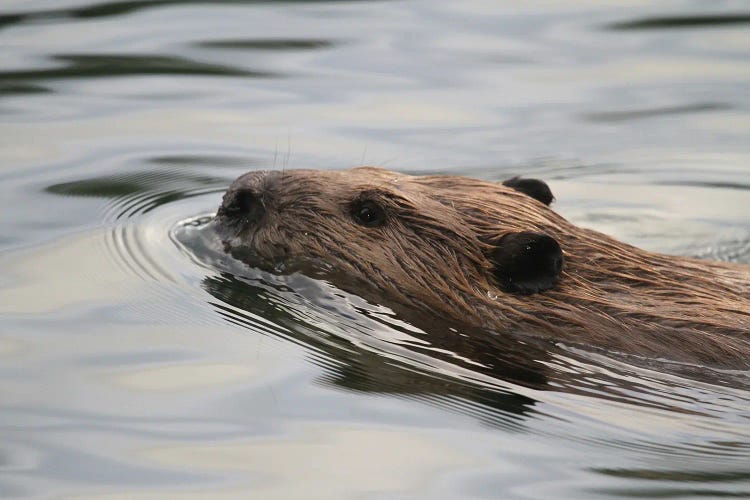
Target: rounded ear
x,y
526,262
539,190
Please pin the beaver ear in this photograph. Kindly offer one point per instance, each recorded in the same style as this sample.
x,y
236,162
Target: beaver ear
x,y
527,262
539,190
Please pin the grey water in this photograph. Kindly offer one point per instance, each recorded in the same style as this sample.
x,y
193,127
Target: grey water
x,y
138,361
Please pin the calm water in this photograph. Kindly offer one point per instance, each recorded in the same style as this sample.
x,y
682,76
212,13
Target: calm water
x,y
137,361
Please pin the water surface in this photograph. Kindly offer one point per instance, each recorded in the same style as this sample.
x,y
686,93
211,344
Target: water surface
x,y
137,361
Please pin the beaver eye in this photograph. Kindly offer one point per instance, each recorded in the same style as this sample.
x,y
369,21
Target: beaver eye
x,y
368,213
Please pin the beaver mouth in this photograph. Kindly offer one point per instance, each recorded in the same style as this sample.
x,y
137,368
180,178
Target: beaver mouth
x,y
228,227
281,262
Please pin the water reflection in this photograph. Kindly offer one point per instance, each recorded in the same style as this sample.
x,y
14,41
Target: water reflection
x,y
18,88
135,193
269,44
116,65
677,483
207,161
505,382
108,9
133,183
684,21
398,351
349,365
617,116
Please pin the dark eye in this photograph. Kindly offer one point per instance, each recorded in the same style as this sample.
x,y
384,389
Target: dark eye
x,y
368,213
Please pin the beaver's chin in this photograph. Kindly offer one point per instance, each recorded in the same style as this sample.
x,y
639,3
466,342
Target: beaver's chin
x,y
282,264
227,229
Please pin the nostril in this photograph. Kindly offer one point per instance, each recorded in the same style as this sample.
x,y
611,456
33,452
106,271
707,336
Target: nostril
x,y
244,203
247,201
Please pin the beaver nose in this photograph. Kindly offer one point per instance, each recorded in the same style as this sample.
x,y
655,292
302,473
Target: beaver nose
x,y
245,204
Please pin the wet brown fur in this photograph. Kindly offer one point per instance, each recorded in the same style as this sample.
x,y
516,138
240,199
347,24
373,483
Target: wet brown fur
x,y
432,255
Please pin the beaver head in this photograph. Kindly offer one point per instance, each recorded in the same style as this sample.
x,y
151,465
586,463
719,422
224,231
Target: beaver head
x,y
489,255
418,240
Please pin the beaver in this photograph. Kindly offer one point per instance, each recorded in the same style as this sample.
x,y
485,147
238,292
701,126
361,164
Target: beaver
x,y
490,255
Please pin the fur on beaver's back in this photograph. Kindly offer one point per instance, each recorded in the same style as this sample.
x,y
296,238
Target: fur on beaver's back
x,y
486,254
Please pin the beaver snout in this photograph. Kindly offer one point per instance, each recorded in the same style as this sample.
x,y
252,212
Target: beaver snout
x,y
248,198
245,204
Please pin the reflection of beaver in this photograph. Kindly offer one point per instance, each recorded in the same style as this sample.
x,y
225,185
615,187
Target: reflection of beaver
x,y
489,255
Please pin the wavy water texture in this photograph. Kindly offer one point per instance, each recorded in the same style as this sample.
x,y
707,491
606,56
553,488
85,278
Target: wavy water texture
x,y
109,9
373,352
137,359
683,22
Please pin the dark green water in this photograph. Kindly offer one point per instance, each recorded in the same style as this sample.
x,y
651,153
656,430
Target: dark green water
x,y
137,363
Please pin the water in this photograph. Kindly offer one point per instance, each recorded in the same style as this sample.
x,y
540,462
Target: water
x,y
137,361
